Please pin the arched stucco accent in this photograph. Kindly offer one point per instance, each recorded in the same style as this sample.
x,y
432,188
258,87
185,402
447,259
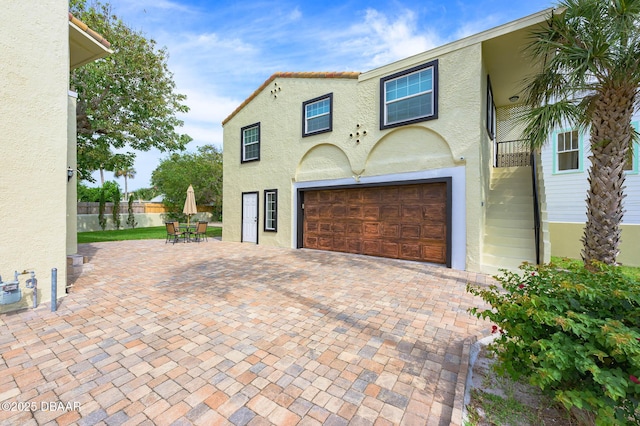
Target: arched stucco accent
x,y
324,161
407,149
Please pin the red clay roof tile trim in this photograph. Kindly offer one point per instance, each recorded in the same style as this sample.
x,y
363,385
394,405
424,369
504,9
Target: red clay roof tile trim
x,y
84,27
352,75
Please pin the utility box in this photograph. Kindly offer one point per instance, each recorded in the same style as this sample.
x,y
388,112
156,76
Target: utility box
x,y
10,292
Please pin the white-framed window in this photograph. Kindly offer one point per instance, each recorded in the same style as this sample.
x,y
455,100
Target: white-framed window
x,y
250,143
567,151
271,210
317,115
409,96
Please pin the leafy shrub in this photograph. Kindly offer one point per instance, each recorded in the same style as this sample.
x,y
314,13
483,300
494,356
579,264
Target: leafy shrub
x,y
102,220
573,333
131,219
115,212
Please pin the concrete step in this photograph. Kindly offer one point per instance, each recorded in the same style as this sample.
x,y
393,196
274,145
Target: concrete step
x,y
511,223
510,232
525,240
511,214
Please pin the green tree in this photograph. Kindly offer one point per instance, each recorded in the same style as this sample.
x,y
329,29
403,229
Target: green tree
x,y
146,193
126,101
131,219
102,220
590,76
127,172
115,213
202,169
93,194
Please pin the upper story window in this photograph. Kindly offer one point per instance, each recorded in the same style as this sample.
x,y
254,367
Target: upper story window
x,y
317,115
567,151
409,96
250,143
491,111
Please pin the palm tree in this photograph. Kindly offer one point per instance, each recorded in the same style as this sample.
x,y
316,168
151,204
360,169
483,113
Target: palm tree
x,y
128,173
591,78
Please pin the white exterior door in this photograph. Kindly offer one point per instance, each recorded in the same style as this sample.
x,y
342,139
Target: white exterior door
x,y
250,217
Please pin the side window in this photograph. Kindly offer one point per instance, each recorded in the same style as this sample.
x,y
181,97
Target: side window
x,y
567,146
317,115
250,136
409,96
271,210
491,111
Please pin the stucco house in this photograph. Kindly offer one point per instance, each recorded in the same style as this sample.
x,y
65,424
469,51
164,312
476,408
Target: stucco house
x,y
565,160
406,161
40,43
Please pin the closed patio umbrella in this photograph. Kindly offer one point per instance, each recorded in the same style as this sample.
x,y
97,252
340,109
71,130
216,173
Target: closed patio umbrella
x,y
190,204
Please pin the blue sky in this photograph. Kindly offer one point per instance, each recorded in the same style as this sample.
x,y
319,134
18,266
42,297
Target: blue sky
x,y
221,51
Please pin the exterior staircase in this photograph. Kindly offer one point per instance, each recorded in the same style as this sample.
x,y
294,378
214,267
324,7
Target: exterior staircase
x,y
509,236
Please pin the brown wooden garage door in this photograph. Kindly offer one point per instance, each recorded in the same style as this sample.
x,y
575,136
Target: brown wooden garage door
x,y
402,221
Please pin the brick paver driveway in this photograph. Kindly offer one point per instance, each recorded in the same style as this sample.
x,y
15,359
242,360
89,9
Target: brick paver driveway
x,y
229,333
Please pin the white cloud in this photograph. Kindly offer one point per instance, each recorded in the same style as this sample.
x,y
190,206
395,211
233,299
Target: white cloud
x,y
380,39
475,27
295,14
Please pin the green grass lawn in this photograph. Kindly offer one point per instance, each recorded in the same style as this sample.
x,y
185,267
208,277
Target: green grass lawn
x,y
152,233
630,271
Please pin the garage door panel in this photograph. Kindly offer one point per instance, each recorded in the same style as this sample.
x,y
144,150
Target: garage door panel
x,y
436,232
354,229
339,197
371,229
354,245
324,197
434,213
325,227
395,221
390,249
410,251
389,212
324,211
438,253
371,247
354,212
311,211
371,212
311,242
339,244
369,196
410,231
325,243
412,212
339,211
339,228
390,230
389,194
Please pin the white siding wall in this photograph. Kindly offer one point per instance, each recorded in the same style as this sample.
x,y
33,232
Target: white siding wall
x,y
567,191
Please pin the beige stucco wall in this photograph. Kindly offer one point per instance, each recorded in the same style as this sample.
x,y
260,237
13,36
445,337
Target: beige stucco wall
x,y
72,185
566,236
33,132
287,159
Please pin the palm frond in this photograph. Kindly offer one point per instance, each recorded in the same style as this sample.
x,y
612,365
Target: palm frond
x,y
542,120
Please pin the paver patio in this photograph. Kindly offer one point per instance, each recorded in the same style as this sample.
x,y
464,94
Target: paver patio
x,y
222,333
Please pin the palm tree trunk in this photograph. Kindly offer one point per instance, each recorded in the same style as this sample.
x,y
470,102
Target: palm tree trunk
x,y
610,144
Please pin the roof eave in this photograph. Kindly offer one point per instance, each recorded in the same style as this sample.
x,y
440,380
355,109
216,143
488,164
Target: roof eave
x,y
85,45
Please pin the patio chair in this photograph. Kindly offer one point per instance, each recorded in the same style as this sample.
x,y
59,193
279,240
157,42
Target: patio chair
x,y
173,233
201,231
